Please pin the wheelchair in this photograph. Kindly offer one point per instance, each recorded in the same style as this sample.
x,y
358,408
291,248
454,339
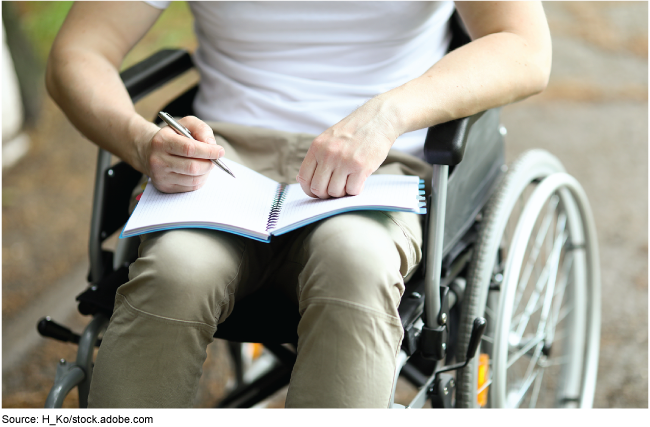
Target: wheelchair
x,y
504,311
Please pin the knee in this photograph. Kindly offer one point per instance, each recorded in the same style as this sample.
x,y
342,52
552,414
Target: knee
x,y
183,280
363,272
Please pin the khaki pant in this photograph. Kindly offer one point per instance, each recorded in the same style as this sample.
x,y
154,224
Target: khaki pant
x,y
346,274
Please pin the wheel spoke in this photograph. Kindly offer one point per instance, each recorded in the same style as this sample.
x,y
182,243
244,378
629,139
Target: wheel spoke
x,y
532,301
531,374
558,299
488,339
546,280
564,313
530,344
561,239
534,360
539,305
534,253
524,389
563,360
484,386
536,387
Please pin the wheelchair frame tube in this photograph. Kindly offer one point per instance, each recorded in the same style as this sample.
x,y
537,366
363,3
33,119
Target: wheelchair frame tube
x,y
79,373
85,354
68,376
95,242
436,234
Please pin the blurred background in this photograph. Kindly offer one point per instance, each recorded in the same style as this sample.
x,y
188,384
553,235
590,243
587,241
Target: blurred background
x,y
593,116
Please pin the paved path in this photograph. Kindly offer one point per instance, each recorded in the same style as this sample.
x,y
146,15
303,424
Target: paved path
x,y
20,335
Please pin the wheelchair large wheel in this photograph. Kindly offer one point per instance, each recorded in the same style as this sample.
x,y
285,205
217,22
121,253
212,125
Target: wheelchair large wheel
x,y
534,275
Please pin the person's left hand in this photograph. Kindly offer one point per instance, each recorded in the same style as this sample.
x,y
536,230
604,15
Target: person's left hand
x,y
341,159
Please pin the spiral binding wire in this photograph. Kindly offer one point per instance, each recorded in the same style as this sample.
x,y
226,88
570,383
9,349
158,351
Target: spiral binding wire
x,y
276,207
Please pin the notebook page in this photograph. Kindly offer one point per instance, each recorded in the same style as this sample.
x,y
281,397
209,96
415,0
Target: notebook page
x,y
381,192
223,202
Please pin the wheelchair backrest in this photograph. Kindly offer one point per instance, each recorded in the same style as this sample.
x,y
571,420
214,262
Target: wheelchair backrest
x,y
473,180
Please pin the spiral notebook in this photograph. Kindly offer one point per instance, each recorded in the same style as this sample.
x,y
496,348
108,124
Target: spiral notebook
x,y
258,207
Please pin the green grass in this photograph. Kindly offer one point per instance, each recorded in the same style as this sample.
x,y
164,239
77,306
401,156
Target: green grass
x,y
41,20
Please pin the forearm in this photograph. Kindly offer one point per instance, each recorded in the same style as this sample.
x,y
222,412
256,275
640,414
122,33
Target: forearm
x,y
82,75
88,89
489,72
508,60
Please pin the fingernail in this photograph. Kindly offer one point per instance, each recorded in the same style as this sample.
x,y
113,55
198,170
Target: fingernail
x,y
211,140
222,152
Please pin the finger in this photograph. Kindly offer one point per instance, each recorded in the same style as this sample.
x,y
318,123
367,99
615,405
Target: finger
x,y
199,129
355,184
321,181
306,173
336,187
188,166
178,145
191,181
171,182
174,188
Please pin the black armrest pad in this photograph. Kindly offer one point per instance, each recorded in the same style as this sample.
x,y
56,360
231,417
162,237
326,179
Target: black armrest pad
x,y
119,182
445,143
153,72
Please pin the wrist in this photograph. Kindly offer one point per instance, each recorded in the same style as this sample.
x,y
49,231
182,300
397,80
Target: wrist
x,y
387,115
142,132
395,109
411,107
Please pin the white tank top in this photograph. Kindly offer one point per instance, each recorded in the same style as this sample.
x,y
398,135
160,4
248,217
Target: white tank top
x,y
304,66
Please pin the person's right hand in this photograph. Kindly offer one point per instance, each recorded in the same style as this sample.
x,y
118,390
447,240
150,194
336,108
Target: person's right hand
x,y
178,164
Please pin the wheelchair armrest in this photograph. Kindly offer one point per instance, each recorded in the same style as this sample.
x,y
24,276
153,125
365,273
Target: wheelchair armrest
x,y
153,72
119,180
445,143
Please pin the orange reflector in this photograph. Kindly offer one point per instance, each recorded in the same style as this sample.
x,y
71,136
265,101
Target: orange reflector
x,y
483,375
257,350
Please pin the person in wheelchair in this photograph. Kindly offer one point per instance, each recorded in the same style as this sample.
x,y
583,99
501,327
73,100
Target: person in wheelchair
x,y
324,94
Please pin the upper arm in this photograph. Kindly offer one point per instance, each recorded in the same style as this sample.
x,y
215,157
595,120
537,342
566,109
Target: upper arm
x,y
526,19
109,29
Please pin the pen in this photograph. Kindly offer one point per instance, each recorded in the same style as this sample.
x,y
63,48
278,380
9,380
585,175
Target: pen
x,y
182,130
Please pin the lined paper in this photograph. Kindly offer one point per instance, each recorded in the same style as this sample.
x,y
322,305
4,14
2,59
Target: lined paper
x,y
239,204
381,192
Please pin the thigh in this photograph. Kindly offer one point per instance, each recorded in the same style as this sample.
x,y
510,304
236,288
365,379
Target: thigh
x,y
192,274
359,257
